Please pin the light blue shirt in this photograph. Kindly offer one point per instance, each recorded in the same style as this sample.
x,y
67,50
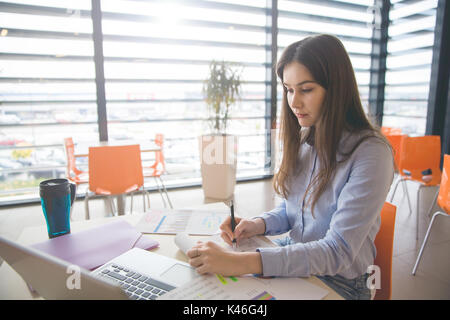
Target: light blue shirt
x,y
339,239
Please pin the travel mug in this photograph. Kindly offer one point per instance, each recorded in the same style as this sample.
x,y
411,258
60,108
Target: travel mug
x,y
57,196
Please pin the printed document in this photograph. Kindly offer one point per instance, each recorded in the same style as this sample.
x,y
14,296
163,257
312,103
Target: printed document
x,y
217,287
171,221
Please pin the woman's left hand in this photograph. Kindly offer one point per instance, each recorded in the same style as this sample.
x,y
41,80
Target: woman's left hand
x,y
210,257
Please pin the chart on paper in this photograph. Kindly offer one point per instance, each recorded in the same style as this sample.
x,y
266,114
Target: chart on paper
x,y
194,222
217,287
205,223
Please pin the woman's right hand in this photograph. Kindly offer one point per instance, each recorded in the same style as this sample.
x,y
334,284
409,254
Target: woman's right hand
x,y
245,228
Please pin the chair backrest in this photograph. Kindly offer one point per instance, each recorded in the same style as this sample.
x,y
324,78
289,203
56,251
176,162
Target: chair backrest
x,y
419,154
115,169
384,242
159,139
159,155
70,154
396,142
444,191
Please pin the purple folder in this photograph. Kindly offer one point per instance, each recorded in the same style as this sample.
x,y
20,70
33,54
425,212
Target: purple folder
x,y
92,248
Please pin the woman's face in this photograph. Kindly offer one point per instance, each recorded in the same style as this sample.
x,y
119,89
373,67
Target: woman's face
x,y
304,95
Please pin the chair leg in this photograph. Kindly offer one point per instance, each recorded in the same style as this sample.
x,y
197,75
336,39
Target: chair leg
x,y
146,194
113,207
405,188
395,188
419,257
131,205
417,211
148,198
121,204
167,194
86,206
160,192
71,211
432,204
143,196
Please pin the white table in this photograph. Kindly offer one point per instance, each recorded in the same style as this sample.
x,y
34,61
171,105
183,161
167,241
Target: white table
x,y
12,286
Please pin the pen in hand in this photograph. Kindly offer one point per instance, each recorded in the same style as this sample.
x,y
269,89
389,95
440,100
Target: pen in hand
x,y
233,223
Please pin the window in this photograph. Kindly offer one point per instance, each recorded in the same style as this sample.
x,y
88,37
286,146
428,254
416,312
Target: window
x,y
348,20
47,89
157,55
410,49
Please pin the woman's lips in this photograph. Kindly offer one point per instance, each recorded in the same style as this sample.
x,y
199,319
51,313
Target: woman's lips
x,y
301,115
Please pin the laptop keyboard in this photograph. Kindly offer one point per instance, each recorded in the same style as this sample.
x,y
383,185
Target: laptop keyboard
x,y
137,286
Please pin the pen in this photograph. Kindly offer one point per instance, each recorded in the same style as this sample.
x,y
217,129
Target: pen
x,y
233,223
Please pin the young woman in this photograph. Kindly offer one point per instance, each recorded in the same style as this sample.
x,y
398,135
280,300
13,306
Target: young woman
x,y
334,176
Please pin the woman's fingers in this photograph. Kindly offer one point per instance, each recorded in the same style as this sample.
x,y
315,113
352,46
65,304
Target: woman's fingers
x,y
194,251
202,269
196,262
227,234
226,238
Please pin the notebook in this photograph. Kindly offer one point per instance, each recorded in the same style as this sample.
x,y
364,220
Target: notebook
x,y
93,247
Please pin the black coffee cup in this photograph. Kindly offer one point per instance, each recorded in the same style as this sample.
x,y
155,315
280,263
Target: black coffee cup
x,y
57,196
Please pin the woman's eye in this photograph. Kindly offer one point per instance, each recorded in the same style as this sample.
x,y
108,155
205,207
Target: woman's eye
x,y
306,90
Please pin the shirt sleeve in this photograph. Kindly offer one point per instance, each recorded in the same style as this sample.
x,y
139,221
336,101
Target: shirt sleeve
x,y
358,206
276,220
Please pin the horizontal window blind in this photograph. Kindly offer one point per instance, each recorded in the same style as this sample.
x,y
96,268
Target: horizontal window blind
x,y
157,55
47,89
410,46
348,20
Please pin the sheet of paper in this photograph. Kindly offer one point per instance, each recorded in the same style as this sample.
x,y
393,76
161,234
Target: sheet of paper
x,y
217,287
164,221
195,222
184,242
245,245
205,223
292,288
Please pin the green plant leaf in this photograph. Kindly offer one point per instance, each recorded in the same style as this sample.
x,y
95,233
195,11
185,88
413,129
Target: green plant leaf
x,y
221,90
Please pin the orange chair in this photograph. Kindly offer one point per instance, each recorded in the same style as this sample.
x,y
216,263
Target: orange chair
x,y
158,168
115,170
396,141
417,155
443,201
384,242
73,173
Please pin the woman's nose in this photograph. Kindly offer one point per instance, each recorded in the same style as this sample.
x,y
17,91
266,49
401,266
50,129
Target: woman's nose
x,y
296,101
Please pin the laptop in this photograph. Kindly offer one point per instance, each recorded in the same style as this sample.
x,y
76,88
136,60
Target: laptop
x,y
136,274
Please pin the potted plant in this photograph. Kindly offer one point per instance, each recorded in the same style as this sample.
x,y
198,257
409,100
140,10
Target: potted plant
x,y
218,150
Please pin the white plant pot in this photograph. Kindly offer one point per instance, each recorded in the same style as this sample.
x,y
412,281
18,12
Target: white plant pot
x,y
218,160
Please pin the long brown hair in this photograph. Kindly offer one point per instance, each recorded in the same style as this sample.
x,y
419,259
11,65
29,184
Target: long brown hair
x,y
328,62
